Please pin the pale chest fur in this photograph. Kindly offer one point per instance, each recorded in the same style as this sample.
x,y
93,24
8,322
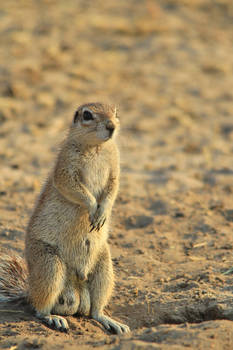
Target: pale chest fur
x,y
95,173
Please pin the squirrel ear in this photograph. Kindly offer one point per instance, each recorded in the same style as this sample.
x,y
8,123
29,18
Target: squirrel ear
x,y
76,115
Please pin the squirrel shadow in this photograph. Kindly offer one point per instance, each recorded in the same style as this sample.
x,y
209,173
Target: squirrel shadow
x,y
13,312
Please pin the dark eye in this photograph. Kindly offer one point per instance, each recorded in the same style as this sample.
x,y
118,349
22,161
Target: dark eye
x,y
87,115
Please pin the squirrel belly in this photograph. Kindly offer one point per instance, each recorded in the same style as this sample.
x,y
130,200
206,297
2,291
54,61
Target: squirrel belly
x,y
13,278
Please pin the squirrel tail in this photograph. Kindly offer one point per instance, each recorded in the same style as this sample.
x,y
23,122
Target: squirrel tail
x,y
13,278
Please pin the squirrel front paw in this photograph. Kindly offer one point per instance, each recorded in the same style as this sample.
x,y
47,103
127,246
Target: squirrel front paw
x,y
99,218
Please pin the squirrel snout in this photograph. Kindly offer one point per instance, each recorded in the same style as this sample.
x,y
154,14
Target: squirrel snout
x,y
110,127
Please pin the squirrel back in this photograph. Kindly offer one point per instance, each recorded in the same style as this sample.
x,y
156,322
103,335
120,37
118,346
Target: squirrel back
x,y
13,278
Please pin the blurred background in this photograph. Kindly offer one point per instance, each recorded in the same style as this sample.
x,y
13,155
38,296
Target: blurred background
x,y
168,66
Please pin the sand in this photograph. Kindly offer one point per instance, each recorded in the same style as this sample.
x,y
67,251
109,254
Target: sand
x,y
168,66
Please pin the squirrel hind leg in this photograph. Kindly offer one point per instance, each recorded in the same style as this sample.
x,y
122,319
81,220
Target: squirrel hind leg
x,y
100,286
85,301
46,282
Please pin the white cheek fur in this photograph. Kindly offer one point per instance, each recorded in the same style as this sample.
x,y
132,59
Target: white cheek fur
x,y
102,134
87,122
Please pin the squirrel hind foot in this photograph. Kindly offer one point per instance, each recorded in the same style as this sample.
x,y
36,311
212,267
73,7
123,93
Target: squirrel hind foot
x,y
111,325
56,322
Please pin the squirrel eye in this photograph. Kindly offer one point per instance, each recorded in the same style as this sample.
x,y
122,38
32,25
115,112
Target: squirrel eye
x,y
87,115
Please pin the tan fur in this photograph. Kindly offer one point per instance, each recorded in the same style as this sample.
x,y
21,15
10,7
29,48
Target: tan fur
x,y
69,263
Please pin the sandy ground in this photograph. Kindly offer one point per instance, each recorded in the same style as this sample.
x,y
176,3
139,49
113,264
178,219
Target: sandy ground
x,y
168,65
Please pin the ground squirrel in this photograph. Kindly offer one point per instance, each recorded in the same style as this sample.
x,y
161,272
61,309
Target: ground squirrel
x,y
67,254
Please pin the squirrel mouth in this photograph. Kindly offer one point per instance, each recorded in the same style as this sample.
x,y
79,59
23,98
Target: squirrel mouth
x,y
107,138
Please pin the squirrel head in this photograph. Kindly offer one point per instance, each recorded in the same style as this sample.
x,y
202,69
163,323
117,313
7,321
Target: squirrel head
x,y
94,123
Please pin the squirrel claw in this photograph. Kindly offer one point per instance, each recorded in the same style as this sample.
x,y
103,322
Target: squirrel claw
x,y
92,227
57,322
101,224
98,219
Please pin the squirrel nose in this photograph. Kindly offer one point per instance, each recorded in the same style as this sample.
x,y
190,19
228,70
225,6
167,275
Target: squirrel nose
x,y
110,126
